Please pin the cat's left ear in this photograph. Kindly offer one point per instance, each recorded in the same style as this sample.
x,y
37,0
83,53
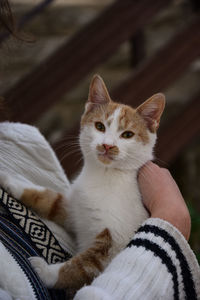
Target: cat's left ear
x,y
98,93
151,111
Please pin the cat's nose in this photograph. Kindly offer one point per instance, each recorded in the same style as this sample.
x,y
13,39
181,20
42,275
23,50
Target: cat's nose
x,y
107,147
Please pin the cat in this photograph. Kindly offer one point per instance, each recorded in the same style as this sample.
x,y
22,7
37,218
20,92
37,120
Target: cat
x,y
104,207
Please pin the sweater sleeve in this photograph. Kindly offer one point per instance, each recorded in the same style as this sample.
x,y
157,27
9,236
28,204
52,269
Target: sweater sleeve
x,y
157,264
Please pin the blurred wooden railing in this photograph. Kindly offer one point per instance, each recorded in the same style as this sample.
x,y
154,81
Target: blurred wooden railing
x,y
180,131
92,45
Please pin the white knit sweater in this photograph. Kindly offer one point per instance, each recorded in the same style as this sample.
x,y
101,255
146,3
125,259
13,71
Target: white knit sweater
x,y
158,264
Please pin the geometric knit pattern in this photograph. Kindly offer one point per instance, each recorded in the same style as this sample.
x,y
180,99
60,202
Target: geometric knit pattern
x,y
39,234
21,248
181,275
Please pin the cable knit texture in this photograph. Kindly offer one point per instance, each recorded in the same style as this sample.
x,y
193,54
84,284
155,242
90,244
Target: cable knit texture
x,y
26,155
157,264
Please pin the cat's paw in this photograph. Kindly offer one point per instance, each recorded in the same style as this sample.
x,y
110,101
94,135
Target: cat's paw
x,y
11,186
47,273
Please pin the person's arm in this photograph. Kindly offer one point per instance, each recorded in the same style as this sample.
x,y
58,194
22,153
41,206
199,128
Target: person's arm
x,y
158,263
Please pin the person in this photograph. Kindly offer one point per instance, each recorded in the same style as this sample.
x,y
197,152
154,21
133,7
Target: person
x,y
158,262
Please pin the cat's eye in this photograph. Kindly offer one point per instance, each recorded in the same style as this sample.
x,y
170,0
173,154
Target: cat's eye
x,y
127,134
99,126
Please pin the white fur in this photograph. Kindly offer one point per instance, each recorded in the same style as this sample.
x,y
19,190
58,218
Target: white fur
x,y
102,196
107,196
48,273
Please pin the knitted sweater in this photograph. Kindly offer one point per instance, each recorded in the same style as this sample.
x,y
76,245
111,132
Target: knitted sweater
x,y
26,155
157,264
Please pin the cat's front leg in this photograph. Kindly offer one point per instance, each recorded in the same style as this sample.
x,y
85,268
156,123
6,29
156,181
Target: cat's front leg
x,y
13,186
45,202
79,270
49,274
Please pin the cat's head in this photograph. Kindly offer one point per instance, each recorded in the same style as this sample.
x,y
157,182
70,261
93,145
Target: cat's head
x,y
115,135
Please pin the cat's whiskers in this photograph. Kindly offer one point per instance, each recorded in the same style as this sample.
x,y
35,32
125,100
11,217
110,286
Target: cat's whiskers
x,y
132,157
72,152
66,146
66,142
70,148
79,160
69,136
85,156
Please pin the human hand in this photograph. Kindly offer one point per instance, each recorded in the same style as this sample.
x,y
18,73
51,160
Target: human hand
x,y
162,197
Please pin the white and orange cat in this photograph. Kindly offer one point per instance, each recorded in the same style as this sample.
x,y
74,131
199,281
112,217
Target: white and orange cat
x,y
103,208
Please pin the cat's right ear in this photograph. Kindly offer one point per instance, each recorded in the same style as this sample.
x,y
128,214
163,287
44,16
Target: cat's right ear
x,y
98,93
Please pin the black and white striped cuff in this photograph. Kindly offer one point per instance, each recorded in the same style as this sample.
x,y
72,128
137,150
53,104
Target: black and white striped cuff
x,y
167,243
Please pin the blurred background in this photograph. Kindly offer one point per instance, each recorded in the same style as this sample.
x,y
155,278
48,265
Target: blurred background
x,y
138,47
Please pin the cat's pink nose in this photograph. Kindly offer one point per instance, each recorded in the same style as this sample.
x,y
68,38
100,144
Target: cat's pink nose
x,y
107,147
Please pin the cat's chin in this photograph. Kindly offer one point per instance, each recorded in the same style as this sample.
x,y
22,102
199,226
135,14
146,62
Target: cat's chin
x,y
105,159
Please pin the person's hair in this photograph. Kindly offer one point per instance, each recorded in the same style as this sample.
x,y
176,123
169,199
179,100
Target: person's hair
x,y
7,22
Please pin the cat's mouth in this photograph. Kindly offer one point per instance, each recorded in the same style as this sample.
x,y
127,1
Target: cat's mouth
x,y
105,158
107,153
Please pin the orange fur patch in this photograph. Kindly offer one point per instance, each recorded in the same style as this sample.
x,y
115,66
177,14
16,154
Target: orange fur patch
x,y
99,112
82,268
47,204
129,119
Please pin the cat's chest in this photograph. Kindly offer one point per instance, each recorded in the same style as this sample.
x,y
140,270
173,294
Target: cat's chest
x,y
105,192
101,202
